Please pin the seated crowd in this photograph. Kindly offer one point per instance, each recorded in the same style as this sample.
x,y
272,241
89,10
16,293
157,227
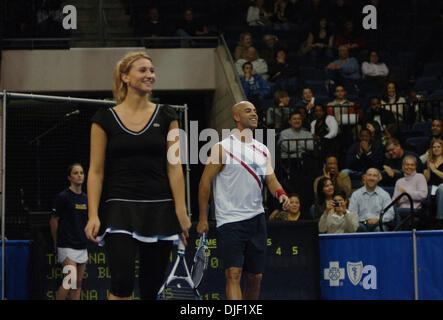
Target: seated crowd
x,y
372,175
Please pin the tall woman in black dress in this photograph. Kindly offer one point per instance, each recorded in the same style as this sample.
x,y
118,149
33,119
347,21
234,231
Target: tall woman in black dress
x,y
136,196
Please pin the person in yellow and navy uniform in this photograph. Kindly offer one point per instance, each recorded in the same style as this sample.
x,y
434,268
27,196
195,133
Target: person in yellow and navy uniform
x,y
68,220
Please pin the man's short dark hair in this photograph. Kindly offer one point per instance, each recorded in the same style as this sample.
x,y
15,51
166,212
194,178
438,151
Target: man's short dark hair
x,y
393,141
364,129
294,113
374,97
246,63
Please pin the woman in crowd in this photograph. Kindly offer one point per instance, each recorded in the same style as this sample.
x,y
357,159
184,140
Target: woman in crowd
x,y
293,212
413,183
434,177
325,194
374,69
325,128
375,130
337,218
393,101
244,43
320,41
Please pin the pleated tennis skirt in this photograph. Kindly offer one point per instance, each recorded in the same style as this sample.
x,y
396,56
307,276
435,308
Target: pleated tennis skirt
x,y
144,220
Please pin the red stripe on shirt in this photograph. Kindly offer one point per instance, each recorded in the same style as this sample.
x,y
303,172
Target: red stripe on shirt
x,y
254,175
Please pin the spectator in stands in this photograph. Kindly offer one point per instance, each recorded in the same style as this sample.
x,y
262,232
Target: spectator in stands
x,y
340,12
417,108
244,43
363,155
436,133
374,70
368,201
337,218
293,212
189,27
259,65
345,69
375,131
378,114
393,101
325,191
49,18
392,166
18,19
313,10
278,116
434,177
308,103
341,106
258,15
320,41
294,149
283,72
413,183
254,86
154,25
272,44
340,180
325,128
306,119
282,19
352,39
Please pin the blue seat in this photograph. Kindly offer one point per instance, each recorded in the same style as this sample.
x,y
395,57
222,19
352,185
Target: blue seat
x,y
420,144
311,73
389,190
318,87
423,128
436,95
427,84
433,69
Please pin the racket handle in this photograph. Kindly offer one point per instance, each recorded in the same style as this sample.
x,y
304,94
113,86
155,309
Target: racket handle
x,y
181,246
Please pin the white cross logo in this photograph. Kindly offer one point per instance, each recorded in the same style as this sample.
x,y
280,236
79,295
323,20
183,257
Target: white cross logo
x,y
334,274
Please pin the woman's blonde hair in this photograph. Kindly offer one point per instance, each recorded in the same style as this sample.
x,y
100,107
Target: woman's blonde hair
x,y
123,66
431,156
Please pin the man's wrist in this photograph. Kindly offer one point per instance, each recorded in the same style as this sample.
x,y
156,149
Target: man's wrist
x,y
279,193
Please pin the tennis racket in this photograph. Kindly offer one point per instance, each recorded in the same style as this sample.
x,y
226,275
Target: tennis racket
x,y
201,258
179,284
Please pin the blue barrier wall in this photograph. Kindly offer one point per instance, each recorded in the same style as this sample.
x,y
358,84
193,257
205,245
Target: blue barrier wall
x,y
364,266
380,266
430,265
17,269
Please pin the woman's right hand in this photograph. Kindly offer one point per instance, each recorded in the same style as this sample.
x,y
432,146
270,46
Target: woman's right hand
x,y
329,206
92,228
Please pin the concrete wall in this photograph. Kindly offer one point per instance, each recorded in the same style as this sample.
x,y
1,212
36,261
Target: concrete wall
x,y
91,69
227,93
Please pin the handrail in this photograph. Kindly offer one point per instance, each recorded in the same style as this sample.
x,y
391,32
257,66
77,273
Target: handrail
x,y
228,53
382,213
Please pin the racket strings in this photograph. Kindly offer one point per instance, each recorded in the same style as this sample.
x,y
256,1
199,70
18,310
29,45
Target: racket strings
x,y
200,266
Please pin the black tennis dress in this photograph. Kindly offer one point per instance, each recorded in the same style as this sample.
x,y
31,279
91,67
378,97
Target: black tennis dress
x,y
136,196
